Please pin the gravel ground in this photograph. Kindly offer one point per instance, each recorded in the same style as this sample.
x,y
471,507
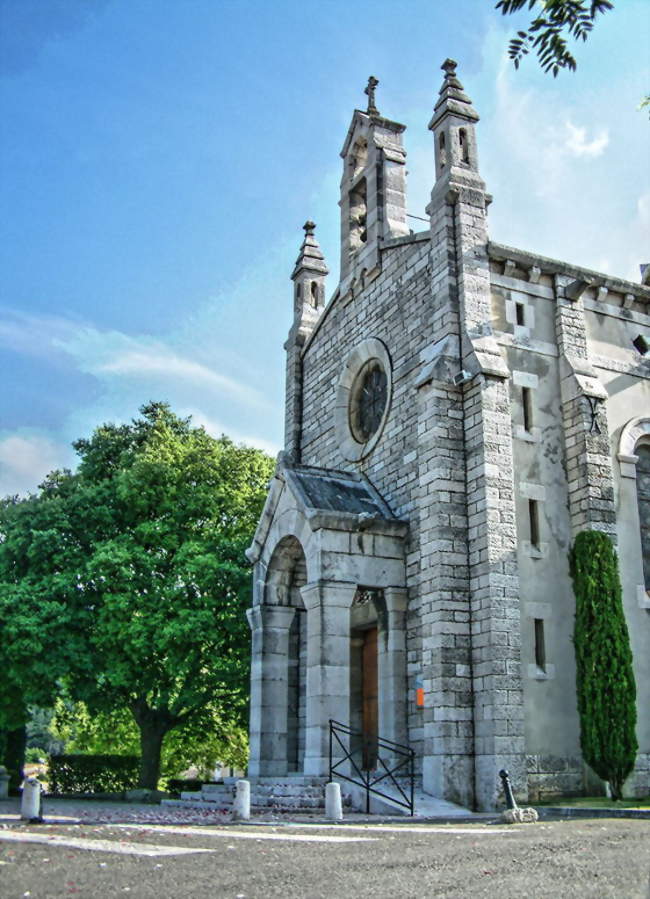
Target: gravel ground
x,y
93,810
594,858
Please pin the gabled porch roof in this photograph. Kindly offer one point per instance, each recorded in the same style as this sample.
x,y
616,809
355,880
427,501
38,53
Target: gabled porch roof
x,y
328,498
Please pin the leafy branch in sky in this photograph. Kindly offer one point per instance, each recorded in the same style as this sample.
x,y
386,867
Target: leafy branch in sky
x,y
548,32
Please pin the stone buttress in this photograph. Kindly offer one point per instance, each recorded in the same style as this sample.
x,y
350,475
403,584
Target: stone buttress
x,y
472,632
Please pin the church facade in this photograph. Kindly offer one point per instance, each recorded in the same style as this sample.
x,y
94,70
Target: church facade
x,y
455,414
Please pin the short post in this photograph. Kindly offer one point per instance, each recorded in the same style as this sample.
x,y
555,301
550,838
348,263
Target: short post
x,y
30,806
4,782
241,809
333,804
507,788
513,814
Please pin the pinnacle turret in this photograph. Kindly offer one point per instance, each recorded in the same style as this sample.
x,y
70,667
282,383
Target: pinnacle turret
x,y
452,100
311,256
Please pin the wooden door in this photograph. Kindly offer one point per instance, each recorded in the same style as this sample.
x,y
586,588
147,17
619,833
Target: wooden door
x,y
370,698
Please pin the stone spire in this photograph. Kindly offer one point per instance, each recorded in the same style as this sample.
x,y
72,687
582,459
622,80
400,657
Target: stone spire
x,y
310,257
308,278
453,125
453,99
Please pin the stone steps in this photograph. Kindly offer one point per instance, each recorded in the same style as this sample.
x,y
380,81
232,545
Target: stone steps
x,y
267,794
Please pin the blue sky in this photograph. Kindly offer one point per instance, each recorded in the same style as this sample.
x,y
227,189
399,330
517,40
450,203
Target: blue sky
x,y
158,158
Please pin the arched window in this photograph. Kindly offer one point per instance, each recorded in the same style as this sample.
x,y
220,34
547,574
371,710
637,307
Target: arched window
x,y
634,462
358,157
464,146
643,501
442,152
358,210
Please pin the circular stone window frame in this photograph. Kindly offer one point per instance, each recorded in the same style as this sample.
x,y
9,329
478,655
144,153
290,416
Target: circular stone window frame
x,y
365,352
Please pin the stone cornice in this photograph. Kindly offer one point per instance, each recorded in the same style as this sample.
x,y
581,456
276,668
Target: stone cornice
x,y
548,266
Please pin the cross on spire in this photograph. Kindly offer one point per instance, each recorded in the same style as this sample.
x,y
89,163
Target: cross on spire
x,y
370,93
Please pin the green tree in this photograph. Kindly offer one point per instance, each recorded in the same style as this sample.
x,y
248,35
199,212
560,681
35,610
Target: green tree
x,y
604,676
134,576
37,645
548,31
201,742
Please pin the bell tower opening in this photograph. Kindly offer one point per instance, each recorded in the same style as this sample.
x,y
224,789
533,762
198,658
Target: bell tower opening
x,y
373,189
358,230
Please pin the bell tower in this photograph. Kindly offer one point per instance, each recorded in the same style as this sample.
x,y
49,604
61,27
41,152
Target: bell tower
x,y
373,189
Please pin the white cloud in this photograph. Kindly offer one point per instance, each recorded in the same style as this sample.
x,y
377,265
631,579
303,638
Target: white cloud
x,y
159,360
643,209
578,144
25,460
561,186
216,429
34,335
109,354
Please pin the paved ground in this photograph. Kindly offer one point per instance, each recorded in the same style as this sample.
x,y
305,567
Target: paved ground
x,y
95,811
599,858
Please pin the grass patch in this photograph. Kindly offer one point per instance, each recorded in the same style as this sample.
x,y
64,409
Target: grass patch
x,y
595,802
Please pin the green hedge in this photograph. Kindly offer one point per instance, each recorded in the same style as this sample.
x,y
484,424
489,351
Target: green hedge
x,y
92,773
178,785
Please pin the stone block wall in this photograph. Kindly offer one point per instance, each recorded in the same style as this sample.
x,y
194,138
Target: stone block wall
x,y
551,776
395,308
570,346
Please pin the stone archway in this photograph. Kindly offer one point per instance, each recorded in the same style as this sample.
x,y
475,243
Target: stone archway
x,y
286,576
634,461
278,676
321,536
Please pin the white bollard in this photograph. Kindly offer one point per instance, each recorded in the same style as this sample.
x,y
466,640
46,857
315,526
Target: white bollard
x,y
241,809
30,806
333,804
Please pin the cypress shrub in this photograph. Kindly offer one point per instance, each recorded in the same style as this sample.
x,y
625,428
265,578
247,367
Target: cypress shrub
x,y
604,676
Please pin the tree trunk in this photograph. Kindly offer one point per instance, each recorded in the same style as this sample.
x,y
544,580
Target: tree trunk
x,y
16,741
153,724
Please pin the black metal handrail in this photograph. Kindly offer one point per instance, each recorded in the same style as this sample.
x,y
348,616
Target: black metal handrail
x,y
382,773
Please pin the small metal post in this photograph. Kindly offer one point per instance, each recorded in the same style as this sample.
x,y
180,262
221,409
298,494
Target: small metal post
x,y
366,774
330,748
507,789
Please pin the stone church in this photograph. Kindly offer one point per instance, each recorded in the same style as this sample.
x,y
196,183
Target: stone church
x,y
456,412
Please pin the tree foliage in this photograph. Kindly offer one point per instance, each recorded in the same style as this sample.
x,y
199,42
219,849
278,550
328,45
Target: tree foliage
x,y
128,580
604,675
203,741
548,31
